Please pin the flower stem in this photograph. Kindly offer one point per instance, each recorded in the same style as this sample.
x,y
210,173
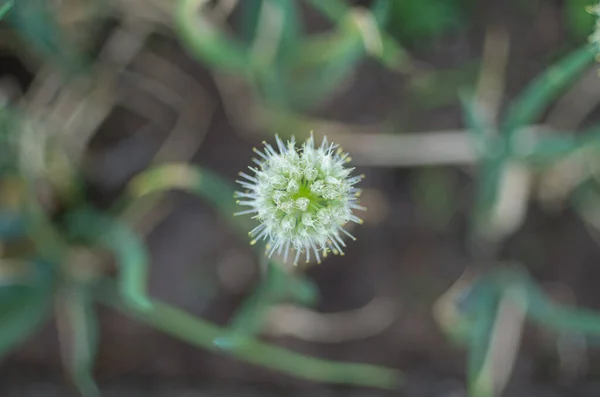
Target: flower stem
x,y
200,333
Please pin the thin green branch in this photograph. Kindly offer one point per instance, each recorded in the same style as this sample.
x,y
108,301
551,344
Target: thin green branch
x,y
200,333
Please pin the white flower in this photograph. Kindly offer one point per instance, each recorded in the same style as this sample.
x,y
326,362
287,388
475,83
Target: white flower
x,y
301,197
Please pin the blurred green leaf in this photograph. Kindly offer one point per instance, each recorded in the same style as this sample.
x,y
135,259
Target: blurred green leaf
x,y
552,148
530,104
471,116
284,14
201,333
130,251
275,287
324,61
77,323
206,41
5,6
479,380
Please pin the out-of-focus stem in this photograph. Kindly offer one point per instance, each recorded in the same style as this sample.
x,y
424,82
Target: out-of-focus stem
x,y
201,333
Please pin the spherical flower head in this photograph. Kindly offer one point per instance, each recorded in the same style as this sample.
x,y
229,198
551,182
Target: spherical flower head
x,y
302,198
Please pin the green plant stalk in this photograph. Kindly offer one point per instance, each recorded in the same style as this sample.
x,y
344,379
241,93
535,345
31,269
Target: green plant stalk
x,y
322,62
276,287
491,168
541,309
287,39
249,318
130,251
200,333
532,300
480,381
76,313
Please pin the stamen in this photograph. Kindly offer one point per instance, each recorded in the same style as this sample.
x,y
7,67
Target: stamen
x,y
346,233
261,154
245,212
248,177
287,251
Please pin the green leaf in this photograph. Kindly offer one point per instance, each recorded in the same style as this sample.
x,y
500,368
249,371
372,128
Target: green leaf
x,y
393,55
475,124
481,382
5,7
78,328
283,12
544,311
276,287
481,304
131,253
202,333
324,61
491,167
530,105
551,149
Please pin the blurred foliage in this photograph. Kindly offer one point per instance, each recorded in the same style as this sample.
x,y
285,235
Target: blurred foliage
x,y
288,69
499,145
53,243
69,242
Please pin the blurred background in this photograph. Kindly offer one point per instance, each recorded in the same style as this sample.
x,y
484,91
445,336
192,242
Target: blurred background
x,y
417,91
